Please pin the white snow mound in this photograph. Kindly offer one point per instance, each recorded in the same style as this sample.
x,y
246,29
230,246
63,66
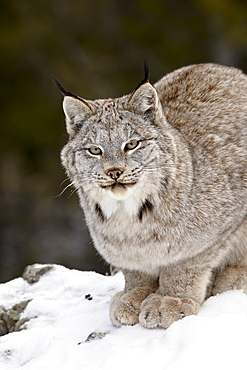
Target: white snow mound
x,y
69,329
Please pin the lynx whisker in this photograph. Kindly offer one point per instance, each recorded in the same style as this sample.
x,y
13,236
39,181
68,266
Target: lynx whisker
x,y
67,179
63,191
73,192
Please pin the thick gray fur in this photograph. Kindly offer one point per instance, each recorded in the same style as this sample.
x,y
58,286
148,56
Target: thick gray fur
x,y
162,178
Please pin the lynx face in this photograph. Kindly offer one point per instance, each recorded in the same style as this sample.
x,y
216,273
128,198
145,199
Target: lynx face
x,y
114,153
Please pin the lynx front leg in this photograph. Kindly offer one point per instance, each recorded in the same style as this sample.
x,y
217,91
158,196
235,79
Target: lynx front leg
x,y
182,289
125,306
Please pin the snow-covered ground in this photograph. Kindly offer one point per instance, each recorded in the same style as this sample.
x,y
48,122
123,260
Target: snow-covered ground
x,y
67,306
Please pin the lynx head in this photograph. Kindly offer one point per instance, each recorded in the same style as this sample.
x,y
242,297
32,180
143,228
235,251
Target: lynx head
x,y
114,153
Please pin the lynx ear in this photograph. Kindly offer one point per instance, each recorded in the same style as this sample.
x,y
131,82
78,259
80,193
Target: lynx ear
x,y
145,101
76,112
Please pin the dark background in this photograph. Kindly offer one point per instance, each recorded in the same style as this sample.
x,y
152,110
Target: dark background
x,y
96,49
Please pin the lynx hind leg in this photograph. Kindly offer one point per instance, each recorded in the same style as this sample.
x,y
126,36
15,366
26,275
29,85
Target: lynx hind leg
x,y
234,274
125,306
230,278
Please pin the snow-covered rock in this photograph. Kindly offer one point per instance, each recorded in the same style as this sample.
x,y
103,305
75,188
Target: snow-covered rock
x,y
68,328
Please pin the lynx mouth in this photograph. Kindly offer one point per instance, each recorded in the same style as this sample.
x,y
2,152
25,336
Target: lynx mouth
x,y
118,185
119,191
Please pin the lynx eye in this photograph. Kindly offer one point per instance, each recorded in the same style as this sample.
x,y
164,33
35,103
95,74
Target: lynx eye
x,y
95,150
131,145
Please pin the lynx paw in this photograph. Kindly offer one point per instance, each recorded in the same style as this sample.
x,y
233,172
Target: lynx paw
x,y
161,312
125,307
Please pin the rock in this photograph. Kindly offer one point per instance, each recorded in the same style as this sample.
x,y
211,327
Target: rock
x,y
3,327
33,273
94,335
10,319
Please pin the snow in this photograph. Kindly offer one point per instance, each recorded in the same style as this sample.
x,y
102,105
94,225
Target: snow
x,y
62,317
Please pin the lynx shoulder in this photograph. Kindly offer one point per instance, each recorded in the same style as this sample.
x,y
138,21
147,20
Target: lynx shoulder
x,y
161,175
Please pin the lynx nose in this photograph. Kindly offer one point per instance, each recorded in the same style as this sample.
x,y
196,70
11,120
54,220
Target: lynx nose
x,y
114,174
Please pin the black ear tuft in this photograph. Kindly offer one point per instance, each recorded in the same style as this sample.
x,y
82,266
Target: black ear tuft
x,y
61,88
67,93
146,76
146,72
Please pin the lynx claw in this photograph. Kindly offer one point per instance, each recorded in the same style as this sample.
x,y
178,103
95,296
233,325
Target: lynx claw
x,y
161,312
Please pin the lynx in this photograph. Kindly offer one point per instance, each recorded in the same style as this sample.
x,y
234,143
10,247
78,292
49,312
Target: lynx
x,y
161,175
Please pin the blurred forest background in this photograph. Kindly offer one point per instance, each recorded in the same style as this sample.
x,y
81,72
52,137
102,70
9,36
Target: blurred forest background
x,y
96,49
